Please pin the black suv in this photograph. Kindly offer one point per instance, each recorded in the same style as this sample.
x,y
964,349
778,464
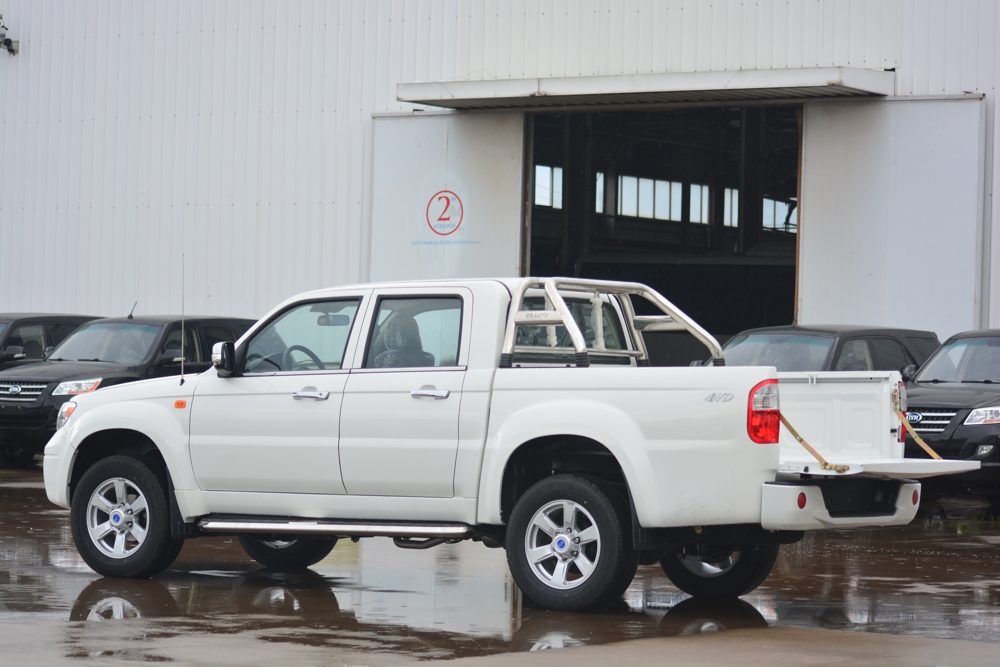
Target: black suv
x,y
24,337
954,404
100,353
832,347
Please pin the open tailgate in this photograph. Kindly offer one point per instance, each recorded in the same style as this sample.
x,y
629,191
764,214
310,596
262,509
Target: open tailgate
x,y
892,468
849,418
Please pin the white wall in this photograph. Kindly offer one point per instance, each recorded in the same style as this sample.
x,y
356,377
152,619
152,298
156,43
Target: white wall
x,y
889,229
447,196
240,131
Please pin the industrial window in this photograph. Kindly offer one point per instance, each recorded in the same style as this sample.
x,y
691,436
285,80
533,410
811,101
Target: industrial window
x,y
548,186
599,187
731,207
649,198
780,215
699,203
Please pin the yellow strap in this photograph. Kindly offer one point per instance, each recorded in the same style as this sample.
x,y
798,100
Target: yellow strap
x,y
916,438
826,465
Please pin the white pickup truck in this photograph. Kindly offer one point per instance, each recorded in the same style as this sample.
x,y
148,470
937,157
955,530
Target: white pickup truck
x,y
519,412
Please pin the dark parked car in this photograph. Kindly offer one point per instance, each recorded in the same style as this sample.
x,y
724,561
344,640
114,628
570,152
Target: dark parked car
x,y
100,353
24,337
954,404
830,348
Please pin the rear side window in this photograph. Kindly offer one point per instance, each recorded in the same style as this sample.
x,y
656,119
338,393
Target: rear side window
x,y
854,356
543,337
415,333
889,354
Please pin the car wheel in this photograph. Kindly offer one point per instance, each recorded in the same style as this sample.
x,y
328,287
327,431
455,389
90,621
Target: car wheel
x,y
120,519
720,572
288,555
568,543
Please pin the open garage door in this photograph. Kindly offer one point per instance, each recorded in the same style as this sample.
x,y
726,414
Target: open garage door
x,y
447,196
891,214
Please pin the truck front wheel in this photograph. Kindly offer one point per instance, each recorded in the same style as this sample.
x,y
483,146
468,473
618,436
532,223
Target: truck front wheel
x,y
568,543
719,572
120,519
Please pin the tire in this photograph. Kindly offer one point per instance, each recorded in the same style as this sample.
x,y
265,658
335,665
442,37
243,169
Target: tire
x,y
568,575
140,546
288,555
720,572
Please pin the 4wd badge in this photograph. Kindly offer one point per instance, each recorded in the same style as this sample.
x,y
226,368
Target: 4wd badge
x,y
719,398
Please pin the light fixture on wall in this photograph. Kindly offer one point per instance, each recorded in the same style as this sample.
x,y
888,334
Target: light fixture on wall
x,y
12,45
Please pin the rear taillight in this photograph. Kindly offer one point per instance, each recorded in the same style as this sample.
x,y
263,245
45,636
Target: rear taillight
x,y
901,388
763,413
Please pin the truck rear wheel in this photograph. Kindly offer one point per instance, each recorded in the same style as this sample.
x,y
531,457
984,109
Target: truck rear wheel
x,y
288,555
720,572
568,543
120,519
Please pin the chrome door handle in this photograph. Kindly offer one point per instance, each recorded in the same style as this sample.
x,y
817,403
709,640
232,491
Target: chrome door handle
x,y
314,395
430,392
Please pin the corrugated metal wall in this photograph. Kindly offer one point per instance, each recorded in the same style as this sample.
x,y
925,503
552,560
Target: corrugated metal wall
x,y
239,132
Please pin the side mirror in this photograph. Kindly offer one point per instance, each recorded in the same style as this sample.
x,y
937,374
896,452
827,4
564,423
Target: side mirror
x,y
224,358
908,372
12,353
47,351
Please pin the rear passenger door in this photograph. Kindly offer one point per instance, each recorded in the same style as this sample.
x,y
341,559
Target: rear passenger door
x,y
399,424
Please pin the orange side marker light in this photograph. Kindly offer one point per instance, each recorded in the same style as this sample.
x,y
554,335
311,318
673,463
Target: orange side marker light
x,y
180,404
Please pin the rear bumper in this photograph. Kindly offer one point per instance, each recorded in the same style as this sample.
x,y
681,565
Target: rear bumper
x,y
780,507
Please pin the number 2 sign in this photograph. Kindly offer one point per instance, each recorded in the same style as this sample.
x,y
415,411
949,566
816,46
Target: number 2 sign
x,y
444,212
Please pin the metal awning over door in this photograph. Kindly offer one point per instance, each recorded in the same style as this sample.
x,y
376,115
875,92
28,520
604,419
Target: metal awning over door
x,y
634,89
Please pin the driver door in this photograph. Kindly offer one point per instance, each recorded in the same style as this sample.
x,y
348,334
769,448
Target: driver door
x,y
274,427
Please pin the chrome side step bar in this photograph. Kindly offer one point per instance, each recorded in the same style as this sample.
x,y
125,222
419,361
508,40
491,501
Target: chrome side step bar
x,y
331,528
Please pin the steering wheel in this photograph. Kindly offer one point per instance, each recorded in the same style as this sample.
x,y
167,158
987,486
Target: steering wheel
x,y
256,358
290,364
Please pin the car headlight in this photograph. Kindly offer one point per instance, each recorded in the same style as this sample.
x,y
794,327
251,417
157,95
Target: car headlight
x,y
74,387
65,412
983,416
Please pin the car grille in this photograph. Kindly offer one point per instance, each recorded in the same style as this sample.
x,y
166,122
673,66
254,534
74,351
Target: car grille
x,y
933,420
21,392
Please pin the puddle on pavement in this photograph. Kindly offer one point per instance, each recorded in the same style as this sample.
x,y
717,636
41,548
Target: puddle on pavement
x,y
937,578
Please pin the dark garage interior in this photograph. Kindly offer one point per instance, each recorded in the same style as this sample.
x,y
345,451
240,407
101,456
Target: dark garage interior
x,y
699,203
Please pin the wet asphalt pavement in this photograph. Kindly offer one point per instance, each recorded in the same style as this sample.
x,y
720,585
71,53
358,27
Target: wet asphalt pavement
x,y
371,603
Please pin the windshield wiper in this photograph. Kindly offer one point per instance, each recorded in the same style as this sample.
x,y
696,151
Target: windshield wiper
x,y
977,382
104,360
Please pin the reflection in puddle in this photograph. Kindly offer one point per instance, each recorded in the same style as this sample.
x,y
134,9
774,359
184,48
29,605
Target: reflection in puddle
x,y
937,578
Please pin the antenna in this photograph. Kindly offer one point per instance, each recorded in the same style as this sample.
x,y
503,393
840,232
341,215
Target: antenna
x,y
133,310
183,336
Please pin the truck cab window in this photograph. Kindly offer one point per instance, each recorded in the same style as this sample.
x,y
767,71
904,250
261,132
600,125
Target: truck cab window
x,y
309,337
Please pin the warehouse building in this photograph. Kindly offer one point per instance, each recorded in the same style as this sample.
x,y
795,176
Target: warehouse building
x,y
758,162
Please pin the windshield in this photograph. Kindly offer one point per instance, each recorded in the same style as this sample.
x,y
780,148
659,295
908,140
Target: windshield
x,y
964,360
786,352
116,342
3,325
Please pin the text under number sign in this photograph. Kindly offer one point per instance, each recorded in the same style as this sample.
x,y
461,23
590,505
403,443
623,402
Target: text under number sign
x,y
444,212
